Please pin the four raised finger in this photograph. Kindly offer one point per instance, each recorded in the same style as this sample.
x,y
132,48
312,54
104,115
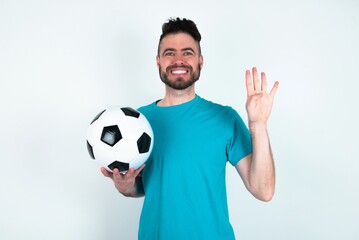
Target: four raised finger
x,y
256,82
249,83
264,82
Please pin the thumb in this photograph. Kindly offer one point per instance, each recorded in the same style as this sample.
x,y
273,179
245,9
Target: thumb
x,y
257,96
253,100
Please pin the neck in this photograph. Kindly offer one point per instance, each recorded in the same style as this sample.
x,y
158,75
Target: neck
x,y
176,97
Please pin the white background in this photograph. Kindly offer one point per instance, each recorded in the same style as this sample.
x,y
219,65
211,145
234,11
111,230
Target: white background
x,y
61,62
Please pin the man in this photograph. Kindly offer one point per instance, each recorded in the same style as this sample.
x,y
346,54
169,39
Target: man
x,y
184,178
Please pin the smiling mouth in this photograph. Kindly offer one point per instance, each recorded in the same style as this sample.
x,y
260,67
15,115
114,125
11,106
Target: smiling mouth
x,y
179,71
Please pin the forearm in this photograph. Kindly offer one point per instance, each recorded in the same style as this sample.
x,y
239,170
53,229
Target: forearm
x,y
262,170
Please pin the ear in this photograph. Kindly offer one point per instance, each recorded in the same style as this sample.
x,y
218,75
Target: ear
x,y
158,61
201,61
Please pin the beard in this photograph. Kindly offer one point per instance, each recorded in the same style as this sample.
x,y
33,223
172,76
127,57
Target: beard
x,y
180,83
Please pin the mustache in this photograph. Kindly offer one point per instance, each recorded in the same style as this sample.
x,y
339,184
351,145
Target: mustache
x,y
169,68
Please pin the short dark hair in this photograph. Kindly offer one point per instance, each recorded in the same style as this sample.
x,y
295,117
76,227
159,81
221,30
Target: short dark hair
x,y
178,25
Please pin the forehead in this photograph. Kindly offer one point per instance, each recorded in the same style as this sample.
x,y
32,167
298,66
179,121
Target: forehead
x,y
178,41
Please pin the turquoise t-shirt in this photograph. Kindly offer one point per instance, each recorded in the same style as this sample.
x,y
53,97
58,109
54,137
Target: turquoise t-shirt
x,y
184,178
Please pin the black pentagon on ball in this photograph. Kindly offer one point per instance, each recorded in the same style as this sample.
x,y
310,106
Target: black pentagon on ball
x,y
90,150
119,165
130,112
144,143
111,135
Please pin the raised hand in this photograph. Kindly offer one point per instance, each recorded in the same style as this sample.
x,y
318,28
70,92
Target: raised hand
x,y
259,101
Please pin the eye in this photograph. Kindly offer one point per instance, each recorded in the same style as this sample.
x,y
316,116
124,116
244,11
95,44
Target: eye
x,y
169,53
188,53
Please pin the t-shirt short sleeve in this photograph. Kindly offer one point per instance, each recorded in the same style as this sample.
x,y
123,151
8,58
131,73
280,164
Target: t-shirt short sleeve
x,y
240,141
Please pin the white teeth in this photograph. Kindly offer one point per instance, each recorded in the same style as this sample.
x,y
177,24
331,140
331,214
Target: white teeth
x,y
179,71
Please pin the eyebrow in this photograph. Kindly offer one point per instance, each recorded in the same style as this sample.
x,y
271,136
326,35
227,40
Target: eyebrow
x,y
174,50
188,49
168,50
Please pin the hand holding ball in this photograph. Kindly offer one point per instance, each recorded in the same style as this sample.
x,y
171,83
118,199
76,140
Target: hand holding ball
x,y
120,137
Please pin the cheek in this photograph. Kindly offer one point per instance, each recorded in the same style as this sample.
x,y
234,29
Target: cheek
x,y
163,63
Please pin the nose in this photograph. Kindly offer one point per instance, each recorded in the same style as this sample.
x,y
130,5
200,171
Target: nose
x,y
178,60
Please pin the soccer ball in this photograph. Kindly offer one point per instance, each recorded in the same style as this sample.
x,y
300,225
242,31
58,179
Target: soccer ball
x,y
120,137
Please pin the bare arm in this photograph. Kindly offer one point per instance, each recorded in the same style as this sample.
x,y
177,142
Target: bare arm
x,y
129,184
257,169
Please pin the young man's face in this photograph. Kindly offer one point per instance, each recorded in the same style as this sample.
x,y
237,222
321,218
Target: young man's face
x,y
179,61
